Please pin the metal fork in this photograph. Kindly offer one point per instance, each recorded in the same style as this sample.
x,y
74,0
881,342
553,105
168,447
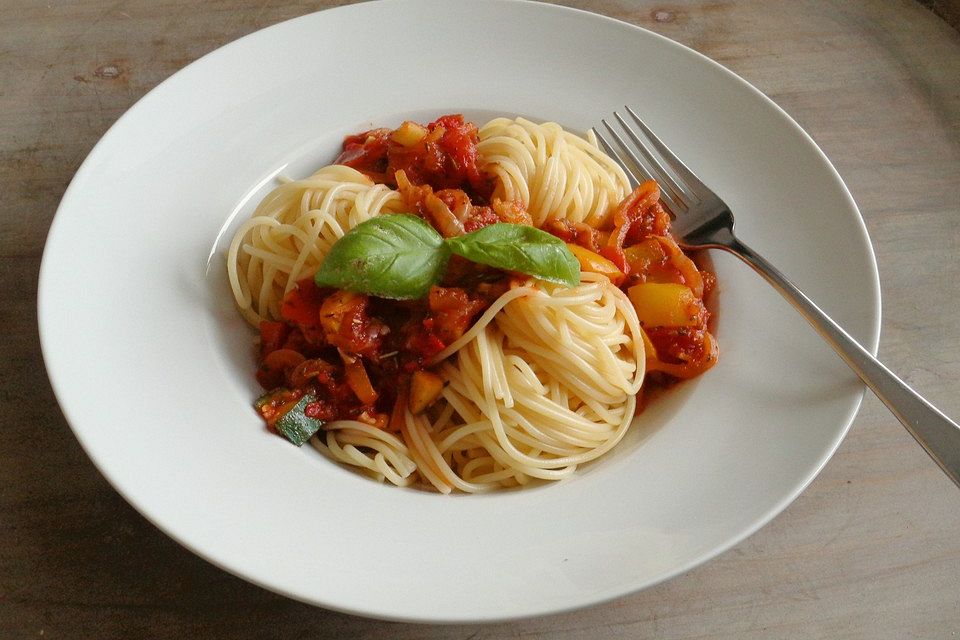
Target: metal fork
x,y
704,221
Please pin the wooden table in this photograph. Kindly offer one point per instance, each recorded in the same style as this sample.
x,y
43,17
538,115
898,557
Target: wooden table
x,y
870,550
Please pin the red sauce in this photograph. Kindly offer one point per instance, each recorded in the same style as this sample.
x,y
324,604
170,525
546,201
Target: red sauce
x,y
390,339
446,158
357,354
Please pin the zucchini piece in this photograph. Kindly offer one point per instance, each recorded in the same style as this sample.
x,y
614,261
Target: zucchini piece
x,y
295,425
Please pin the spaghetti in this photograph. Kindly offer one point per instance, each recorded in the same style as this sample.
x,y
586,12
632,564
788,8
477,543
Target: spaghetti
x,y
553,173
494,379
292,230
545,381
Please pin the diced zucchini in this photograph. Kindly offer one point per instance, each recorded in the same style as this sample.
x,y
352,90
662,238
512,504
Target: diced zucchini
x,y
295,425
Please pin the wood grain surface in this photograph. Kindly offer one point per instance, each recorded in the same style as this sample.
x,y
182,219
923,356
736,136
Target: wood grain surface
x,y
870,550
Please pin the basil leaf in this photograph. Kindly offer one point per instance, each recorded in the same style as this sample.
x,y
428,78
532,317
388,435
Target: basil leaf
x,y
519,247
396,256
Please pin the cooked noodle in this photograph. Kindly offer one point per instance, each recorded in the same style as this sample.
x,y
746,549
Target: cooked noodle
x,y
544,381
554,173
292,230
384,456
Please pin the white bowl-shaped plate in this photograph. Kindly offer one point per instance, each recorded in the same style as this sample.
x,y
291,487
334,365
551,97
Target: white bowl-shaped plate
x,y
154,369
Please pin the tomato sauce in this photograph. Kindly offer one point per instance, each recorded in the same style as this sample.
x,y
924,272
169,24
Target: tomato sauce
x,y
445,157
357,354
328,331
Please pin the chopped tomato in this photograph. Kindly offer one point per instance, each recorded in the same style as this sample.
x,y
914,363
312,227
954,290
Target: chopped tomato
x,y
348,325
272,336
366,152
459,142
301,306
275,367
295,341
421,344
445,157
311,372
480,217
453,311
678,344
320,410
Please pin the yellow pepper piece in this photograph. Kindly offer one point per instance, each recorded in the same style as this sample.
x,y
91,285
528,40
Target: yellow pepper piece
x,y
665,305
592,262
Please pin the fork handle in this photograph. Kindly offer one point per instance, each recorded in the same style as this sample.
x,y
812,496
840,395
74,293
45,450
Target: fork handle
x,y
936,433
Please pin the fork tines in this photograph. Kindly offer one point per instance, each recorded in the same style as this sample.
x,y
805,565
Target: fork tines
x,y
640,161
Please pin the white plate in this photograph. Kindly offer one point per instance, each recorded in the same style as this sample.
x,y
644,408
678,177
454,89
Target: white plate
x,y
154,369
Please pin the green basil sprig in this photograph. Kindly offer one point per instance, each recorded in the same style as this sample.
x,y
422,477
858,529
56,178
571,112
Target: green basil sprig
x,y
401,256
519,247
392,256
